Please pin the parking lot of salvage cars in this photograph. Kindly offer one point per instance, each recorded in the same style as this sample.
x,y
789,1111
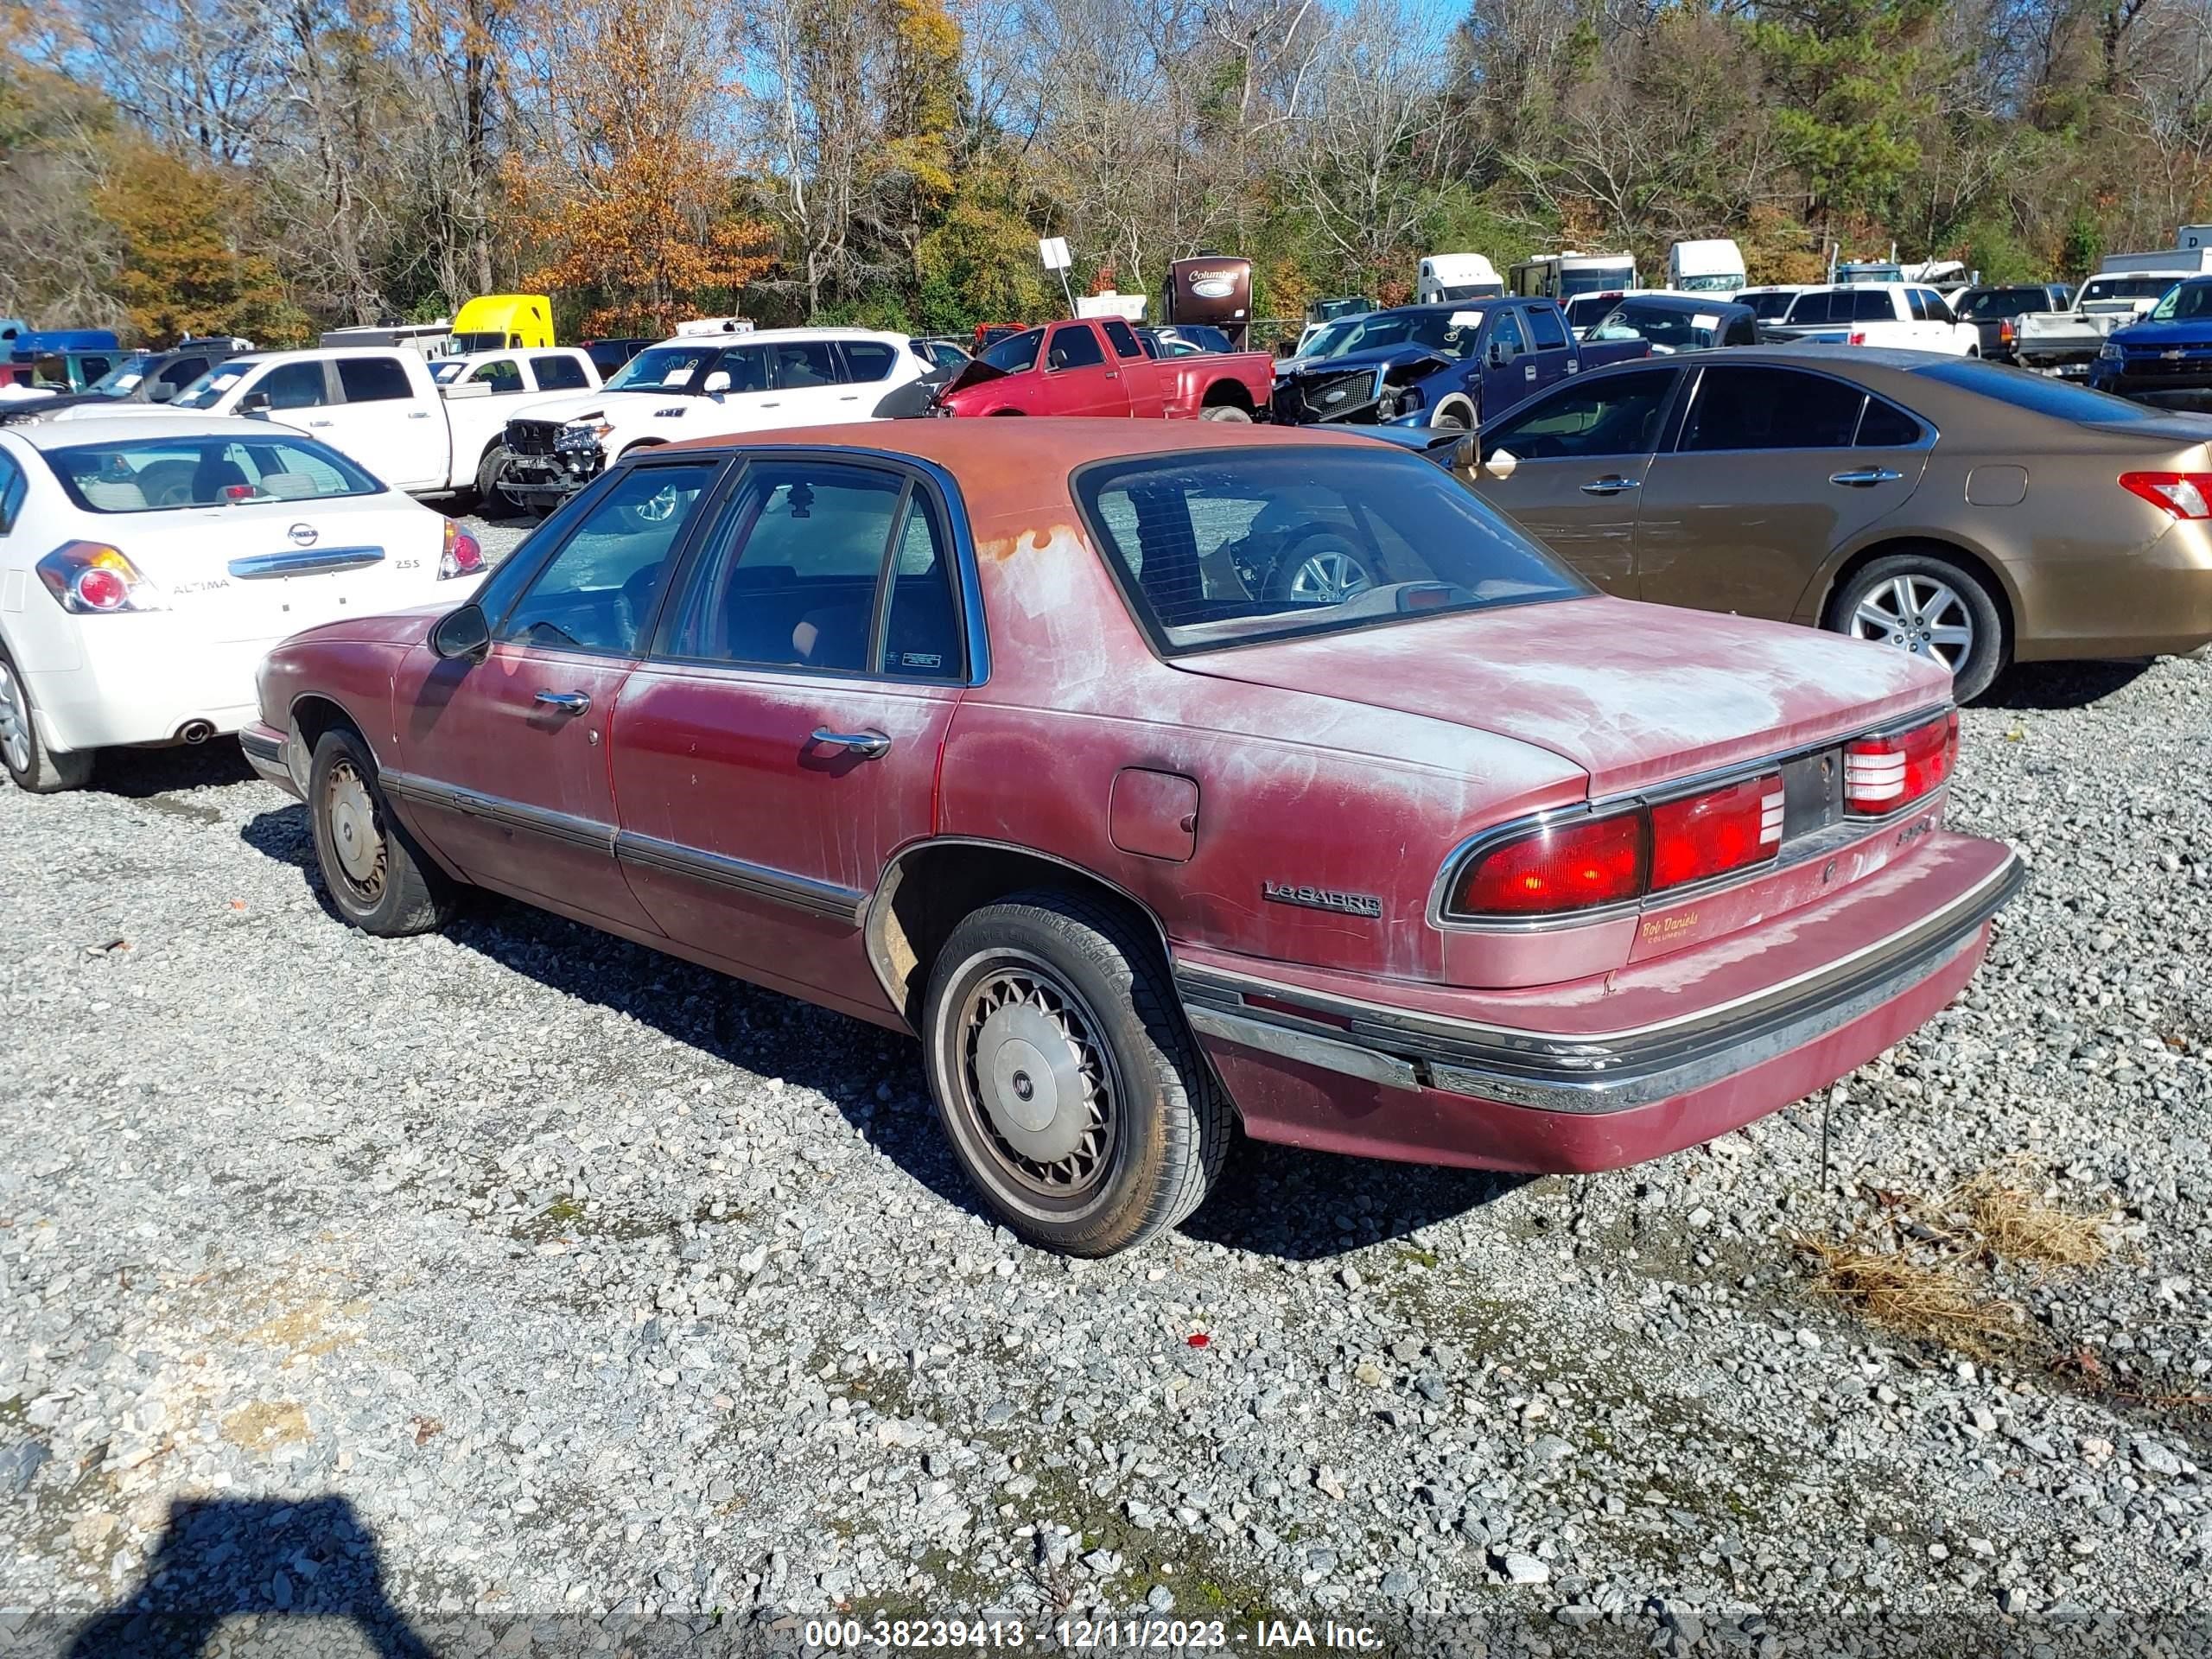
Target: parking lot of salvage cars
x,y
596,1285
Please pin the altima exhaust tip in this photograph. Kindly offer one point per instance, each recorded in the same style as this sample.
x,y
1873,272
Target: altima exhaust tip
x,y
195,731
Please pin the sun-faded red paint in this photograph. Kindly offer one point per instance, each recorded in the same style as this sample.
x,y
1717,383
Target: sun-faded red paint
x,y
1355,763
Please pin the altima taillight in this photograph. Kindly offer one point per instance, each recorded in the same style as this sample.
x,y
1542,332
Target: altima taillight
x,y
2185,495
461,555
1884,774
91,579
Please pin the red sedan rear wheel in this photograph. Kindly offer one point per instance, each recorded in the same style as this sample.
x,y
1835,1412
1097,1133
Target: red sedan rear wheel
x,y
1073,1092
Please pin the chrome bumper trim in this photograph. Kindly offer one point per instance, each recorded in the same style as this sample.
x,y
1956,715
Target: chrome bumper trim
x,y
1609,1071
266,756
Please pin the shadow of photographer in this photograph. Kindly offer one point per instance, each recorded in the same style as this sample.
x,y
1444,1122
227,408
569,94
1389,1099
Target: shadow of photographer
x,y
314,1560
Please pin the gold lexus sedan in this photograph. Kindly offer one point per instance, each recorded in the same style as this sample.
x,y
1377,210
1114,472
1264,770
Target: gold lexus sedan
x,y
1965,512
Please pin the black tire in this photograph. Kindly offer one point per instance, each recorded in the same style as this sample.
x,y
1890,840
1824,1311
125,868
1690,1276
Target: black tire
x,y
36,769
1450,420
375,875
490,498
1881,589
1153,1127
1225,412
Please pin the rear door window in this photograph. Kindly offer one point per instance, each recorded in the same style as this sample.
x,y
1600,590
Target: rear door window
x,y
1544,325
793,576
558,374
1872,305
502,374
1748,408
377,379
799,364
1123,337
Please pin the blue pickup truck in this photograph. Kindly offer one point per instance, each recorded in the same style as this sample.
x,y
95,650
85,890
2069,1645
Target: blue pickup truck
x,y
2166,358
1448,366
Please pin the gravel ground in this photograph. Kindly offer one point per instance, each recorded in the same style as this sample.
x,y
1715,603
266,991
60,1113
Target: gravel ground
x,y
518,1290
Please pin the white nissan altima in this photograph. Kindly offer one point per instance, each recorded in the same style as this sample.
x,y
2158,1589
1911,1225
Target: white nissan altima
x,y
149,562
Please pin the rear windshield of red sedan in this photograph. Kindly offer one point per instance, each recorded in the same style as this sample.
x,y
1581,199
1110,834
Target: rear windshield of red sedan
x,y
1231,547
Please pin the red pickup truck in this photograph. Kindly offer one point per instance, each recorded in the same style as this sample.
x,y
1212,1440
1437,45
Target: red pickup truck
x,y
1098,367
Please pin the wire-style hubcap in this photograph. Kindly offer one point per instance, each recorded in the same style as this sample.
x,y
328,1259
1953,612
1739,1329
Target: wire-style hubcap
x,y
659,507
1917,614
1039,1081
14,721
354,835
1328,579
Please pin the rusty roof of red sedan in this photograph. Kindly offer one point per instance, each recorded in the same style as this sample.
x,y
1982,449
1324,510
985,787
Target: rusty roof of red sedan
x,y
1020,449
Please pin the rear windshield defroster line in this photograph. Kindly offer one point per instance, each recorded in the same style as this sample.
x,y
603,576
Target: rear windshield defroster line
x,y
1232,547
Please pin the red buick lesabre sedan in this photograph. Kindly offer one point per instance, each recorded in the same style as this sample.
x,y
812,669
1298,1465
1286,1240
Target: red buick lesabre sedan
x,y
1151,777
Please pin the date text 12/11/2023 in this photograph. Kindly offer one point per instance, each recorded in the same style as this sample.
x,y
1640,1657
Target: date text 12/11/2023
x,y
1087,1635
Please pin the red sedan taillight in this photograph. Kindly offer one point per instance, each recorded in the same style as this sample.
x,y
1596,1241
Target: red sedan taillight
x,y
1711,834
1567,867
1881,775
1591,863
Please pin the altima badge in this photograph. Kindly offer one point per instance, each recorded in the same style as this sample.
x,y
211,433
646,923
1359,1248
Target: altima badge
x,y
1345,904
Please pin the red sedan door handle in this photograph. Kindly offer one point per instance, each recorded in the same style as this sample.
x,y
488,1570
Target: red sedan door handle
x,y
866,745
569,703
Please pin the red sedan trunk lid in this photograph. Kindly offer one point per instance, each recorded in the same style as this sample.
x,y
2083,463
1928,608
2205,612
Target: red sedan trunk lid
x,y
1633,694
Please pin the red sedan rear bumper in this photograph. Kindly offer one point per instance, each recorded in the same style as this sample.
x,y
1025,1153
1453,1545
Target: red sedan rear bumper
x,y
1575,1078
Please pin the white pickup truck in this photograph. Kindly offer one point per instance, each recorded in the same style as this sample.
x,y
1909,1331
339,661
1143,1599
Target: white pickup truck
x,y
385,409
700,385
2066,343
1904,314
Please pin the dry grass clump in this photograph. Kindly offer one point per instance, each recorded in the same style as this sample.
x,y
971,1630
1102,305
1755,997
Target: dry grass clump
x,y
2015,1224
1917,1296
1910,1267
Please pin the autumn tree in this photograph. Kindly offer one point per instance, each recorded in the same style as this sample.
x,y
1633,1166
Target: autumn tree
x,y
631,198
183,271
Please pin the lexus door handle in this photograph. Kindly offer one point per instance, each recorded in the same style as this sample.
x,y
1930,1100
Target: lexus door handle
x,y
1612,486
1865,477
866,745
569,703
